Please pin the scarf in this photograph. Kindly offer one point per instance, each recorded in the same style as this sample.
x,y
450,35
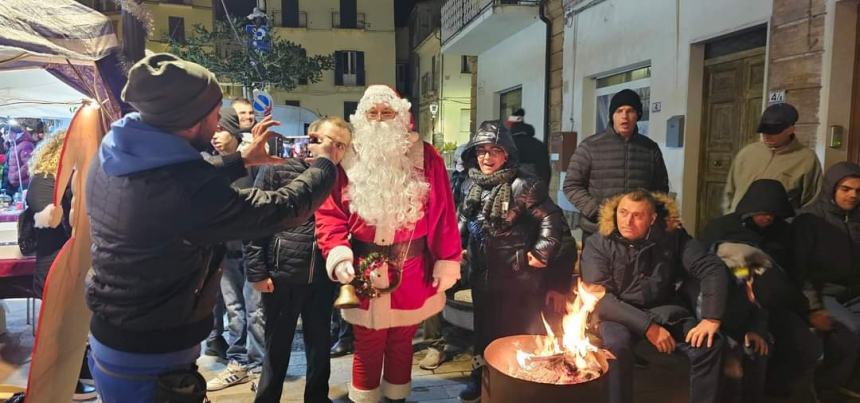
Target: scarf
x,y
496,206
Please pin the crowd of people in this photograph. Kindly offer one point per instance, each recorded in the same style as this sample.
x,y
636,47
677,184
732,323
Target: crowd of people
x,y
194,217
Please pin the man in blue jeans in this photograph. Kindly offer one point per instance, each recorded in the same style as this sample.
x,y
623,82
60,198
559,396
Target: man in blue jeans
x,y
156,209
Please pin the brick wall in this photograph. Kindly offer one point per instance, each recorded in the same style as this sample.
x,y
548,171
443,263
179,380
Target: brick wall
x,y
795,59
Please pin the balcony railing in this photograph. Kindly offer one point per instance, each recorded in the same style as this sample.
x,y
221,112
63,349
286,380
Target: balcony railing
x,y
360,21
275,18
457,14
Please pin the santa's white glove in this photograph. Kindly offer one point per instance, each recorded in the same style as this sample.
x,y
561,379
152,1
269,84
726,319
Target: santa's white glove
x,y
443,282
49,217
344,272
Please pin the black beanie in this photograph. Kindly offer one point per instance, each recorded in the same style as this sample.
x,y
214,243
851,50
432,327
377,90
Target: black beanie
x,y
625,98
230,121
171,93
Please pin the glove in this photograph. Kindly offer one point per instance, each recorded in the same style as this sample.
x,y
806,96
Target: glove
x,y
443,282
344,272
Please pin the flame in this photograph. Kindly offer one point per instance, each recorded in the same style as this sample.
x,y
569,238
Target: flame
x,y
573,346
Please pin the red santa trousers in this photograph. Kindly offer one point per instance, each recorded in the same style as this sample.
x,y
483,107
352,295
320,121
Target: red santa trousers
x,y
389,348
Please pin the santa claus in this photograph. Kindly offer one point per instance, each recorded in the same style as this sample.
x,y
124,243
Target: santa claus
x,y
391,198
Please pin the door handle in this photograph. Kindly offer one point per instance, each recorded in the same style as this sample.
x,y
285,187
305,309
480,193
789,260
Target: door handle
x,y
718,164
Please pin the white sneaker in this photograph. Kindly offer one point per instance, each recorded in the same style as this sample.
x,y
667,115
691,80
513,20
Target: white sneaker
x,y
234,374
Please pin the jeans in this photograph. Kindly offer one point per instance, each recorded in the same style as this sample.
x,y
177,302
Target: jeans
x,y
283,308
245,322
123,377
341,329
705,363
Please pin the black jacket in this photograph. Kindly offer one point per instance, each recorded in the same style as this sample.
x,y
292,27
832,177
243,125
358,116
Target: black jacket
x,y
604,165
534,223
533,154
640,276
49,241
156,209
827,243
289,256
774,288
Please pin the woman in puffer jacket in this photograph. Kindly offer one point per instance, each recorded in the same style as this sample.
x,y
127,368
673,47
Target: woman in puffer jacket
x,y
519,247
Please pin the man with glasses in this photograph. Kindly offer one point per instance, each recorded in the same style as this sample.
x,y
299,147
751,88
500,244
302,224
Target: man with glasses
x,y
391,198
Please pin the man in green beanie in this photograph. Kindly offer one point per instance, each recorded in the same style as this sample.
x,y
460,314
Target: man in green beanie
x,y
156,209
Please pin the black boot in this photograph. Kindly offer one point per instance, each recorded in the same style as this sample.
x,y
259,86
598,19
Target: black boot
x,y
472,393
341,348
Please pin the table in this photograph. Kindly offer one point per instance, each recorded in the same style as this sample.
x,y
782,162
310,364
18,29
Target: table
x,y
16,277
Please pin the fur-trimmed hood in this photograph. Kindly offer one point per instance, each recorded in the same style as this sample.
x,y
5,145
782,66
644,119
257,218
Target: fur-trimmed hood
x,y
667,212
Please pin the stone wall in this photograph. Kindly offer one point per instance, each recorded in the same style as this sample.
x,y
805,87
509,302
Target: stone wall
x,y
796,48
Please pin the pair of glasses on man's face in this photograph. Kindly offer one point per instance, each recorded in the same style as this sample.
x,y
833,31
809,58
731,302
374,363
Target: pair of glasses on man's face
x,y
380,115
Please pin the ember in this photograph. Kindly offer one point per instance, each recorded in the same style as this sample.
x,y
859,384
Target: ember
x,y
572,358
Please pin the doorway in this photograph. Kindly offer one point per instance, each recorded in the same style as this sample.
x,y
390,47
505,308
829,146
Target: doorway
x,y
732,103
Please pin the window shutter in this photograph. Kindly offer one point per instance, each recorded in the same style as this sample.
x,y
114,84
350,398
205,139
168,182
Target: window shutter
x,y
338,67
359,63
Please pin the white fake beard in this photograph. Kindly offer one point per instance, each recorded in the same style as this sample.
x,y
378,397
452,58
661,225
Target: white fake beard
x,y
384,188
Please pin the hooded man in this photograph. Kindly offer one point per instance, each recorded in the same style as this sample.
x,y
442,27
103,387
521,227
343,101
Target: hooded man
x,y
616,161
827,263
156,209
638,256
534,156
392,199
779,155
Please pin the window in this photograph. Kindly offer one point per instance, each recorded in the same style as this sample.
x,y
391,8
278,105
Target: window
x,y
176,28
402,77
465,66
349,68
465,120
638,80
433,73
348,14
509,101
349,108
290,13
289,102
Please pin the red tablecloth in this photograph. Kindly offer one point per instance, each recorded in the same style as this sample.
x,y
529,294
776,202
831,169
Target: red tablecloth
x,y
16,277
9,215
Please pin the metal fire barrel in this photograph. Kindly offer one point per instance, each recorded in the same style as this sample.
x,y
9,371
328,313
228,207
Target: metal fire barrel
x,y
499,386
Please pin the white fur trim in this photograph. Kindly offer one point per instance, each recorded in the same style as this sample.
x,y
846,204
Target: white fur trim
x,y
381,316
338,254
394,392
364,396
446,268
49,217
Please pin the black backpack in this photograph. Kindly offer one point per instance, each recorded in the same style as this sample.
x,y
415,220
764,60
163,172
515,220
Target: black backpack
x,y
27,232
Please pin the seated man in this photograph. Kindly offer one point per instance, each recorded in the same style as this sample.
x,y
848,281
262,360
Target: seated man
x,y
639,255
827,238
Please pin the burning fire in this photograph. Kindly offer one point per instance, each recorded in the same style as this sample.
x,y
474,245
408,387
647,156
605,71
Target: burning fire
x,y
571,358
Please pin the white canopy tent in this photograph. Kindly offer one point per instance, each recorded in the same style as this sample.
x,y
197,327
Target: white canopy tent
x,y
38,94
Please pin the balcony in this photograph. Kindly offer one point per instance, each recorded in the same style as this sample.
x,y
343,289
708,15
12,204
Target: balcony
x,y
276,19
360,21
470,27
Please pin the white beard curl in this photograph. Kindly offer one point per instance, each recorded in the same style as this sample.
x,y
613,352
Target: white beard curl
x,y
384,188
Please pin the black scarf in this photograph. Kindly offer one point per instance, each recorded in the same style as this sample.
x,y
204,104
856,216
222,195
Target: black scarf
x,y
495,208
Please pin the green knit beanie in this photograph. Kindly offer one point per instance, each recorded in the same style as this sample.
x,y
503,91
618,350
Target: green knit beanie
x,y
171,93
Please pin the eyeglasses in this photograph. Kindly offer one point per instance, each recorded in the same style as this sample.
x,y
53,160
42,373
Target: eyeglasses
x,y
492,152
380,115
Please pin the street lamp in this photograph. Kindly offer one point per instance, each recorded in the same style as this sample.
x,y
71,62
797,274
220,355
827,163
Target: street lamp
x,y
434,110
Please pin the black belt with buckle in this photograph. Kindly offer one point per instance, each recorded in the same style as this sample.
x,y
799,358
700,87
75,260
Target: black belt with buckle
x,y
394,252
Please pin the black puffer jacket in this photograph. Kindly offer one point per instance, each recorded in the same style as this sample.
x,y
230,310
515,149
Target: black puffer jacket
x,y
827,243
640,276
289,256
605,165
533,223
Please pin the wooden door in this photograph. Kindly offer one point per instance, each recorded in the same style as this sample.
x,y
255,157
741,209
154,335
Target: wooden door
x,y
732,105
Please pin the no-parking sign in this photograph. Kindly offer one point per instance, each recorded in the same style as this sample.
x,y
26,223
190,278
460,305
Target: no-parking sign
x,y
262,102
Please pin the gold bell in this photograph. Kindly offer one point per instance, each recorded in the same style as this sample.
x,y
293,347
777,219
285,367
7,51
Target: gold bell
x,y
346,299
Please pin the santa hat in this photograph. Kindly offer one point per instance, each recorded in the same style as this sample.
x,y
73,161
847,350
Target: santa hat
x,y
376,94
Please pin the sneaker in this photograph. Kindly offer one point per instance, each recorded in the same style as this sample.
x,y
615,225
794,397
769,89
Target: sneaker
x,y
433,359
472,393
234,374
84,392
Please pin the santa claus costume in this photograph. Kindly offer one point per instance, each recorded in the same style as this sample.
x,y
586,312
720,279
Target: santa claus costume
x,y
392,197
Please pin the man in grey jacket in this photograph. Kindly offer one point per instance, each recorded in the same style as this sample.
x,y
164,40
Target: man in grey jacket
x,y
616,161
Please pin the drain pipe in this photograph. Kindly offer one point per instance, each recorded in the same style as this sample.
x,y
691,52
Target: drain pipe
x,y
547,51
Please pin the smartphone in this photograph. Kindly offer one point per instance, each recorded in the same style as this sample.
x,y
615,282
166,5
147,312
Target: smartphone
x,y
296,146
